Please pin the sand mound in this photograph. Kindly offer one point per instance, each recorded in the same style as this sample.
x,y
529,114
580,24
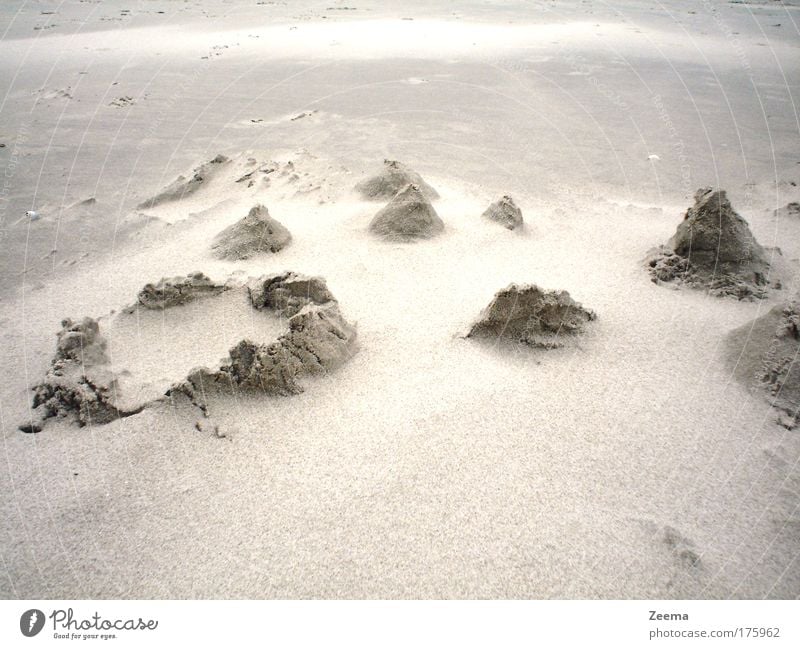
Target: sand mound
x,y
394,177
173,291
319,340
81,342
182,186
87,202
505,212
713,249
766,353
409,215
257,232
287,293
79,380
531,315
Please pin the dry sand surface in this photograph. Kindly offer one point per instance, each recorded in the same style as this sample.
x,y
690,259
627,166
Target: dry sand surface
x,y
637,461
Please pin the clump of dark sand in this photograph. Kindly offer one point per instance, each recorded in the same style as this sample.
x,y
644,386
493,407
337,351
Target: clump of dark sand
x,y
182,187
318,341
174,291
408,216
765,354
287,293
505,212
79,380
256,233
533,316
713,249
394,177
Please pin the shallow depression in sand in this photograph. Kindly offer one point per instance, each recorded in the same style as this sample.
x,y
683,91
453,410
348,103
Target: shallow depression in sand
x,y
151,349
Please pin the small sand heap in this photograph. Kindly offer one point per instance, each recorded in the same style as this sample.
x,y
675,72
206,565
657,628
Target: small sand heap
x,y
255,233
288,292
766,353
174,291
505,212
713,249
182,187
394,177
79,380
408,216
531,315
319,340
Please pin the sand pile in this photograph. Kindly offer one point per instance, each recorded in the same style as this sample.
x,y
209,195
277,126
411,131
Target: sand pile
x,y
288,293
531,315
173,291
318,341
255,233
766,353
505,212
394,177
79,380
713,249
182,186
409,215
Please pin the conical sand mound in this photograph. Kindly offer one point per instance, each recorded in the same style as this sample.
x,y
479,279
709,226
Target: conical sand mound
x,y
394,177
533,316
714,249
256,233
766,353
409,215
505,212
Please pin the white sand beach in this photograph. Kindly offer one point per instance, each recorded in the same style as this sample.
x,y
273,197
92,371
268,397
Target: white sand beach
x,y
636,461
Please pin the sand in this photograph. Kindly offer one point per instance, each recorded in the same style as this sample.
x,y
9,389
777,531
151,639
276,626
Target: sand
x,y
632,463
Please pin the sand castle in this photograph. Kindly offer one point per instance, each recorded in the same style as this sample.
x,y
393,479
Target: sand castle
x,y
713,249
533,316
505,212
394,177
408,216
256,233
182,187
318,339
